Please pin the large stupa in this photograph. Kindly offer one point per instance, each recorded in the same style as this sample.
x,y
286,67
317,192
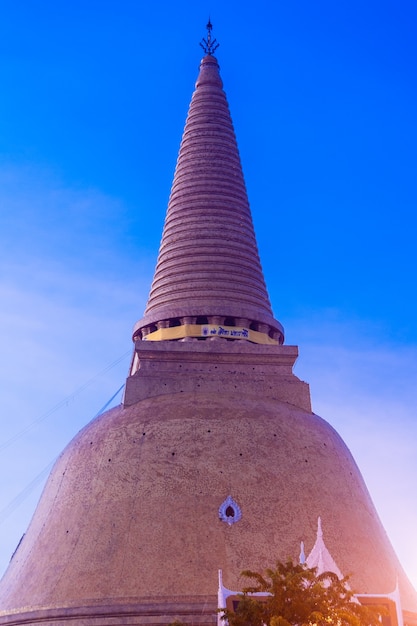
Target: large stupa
x,y
215,460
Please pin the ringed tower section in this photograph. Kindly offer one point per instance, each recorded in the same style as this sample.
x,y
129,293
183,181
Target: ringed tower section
x,y
208,271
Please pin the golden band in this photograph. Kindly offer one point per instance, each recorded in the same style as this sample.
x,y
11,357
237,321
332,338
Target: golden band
x,y
210,330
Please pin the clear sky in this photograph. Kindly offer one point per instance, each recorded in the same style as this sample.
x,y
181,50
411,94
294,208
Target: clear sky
x,y
93,100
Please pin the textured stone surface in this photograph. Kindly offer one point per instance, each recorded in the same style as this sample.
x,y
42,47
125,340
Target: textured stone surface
x,y
208,262
130,512
200,611
216,367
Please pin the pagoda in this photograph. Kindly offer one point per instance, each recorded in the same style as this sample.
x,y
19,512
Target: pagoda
x,y
214,460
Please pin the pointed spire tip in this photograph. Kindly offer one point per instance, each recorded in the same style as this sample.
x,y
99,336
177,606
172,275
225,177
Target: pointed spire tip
x,y
209,45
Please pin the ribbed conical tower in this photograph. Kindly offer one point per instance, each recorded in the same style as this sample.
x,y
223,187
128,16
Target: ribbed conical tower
x,y
208,264
215,460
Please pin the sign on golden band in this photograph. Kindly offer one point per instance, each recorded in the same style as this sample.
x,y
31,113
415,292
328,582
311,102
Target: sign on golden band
x,y
210,330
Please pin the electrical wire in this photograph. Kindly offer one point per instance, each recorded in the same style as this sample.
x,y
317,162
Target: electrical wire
x,y
109,402
21,497
60,404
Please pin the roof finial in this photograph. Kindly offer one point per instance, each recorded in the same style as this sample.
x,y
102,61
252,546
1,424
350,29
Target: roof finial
x,y
209,45
302,557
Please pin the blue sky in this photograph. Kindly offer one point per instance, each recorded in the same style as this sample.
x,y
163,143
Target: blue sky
x,y
93,101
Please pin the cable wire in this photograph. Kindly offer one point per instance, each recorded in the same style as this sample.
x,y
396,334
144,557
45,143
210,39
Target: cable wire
x,y
61,403
21,497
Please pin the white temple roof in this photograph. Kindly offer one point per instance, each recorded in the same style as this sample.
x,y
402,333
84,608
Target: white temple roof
x,y
320,556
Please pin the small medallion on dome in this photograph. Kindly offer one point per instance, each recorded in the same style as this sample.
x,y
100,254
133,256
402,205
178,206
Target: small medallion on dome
x,y
229,511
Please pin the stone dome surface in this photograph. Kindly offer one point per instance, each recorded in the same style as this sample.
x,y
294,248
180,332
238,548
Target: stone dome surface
x,y
132,505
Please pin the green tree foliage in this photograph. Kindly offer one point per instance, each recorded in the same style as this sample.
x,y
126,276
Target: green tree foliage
x,y
298,596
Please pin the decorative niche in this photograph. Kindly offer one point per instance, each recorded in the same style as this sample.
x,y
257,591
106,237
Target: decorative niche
x,y
229,511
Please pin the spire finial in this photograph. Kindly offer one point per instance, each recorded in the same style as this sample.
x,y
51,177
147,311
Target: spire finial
x,y
319,529
209,45
302,557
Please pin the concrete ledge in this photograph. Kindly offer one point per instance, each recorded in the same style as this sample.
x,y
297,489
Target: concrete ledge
x,y
216,366
200,611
